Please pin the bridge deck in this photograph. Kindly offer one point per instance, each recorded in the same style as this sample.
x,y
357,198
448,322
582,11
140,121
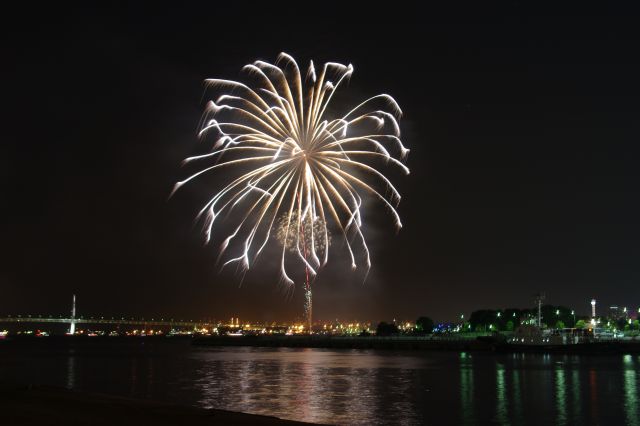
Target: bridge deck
x,y
144,322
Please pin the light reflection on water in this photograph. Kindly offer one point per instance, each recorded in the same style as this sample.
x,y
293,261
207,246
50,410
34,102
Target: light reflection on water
x,y
517,397
349,387
466,388
630,390
561,401
368,387
71,372
501,400
317,386
575,392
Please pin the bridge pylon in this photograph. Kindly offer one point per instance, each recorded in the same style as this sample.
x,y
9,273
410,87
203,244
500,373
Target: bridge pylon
x,y
72,326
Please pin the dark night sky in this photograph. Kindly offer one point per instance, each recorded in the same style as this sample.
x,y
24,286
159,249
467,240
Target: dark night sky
x,y
523,125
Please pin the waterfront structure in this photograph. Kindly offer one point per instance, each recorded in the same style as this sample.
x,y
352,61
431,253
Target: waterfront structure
x,y
539,300
616,313
72,325
74,319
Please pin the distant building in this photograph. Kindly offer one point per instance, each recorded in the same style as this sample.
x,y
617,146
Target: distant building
x,y
614,312
617,313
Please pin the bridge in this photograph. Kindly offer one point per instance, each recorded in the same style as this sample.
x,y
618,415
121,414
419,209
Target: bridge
x,y
102,320
72,320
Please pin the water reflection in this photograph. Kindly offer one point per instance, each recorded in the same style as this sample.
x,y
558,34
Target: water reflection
x,y
575,390
71,371
351,387
466,388
134,377
630,391
517,397
561,407
373,388
593,393
150,376
304,388
501,403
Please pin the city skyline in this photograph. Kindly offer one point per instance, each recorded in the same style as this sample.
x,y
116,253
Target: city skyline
x,y
611,311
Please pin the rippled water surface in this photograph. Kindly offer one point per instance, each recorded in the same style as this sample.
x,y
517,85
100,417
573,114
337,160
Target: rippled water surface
x,y
343,386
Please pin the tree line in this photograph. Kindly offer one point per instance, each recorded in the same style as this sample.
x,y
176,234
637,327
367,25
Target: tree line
x,y
509,319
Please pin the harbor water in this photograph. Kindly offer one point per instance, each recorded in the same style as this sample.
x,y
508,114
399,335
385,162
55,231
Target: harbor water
x,y
340,386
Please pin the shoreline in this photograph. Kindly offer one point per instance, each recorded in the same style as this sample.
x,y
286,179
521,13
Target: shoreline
x,y
487,344
339,342
43,405
482,344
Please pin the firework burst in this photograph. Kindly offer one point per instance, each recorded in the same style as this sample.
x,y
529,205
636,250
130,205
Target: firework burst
x,y
294,168
311,232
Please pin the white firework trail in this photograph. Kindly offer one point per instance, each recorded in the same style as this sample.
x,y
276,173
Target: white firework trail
x,y
288,163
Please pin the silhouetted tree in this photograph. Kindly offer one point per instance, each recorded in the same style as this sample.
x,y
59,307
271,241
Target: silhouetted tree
x,y
552,314
492,319
424,325
482,318
386,329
